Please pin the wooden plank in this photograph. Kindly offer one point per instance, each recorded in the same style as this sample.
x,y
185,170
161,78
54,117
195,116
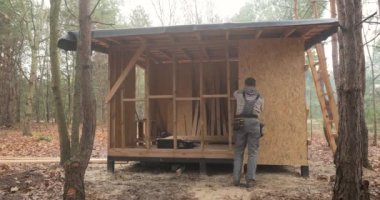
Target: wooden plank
x,y
171,153
123,143
125,73
218,122
195,119
216,139
147,106
133,99
160,96
212,118
174,102
187,98
229,118
203,126
215,96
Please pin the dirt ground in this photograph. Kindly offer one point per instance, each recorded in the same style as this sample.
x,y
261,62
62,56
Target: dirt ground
x,y
158,181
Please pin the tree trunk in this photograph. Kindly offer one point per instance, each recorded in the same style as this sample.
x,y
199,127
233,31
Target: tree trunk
x,y
30,91
74,181
75,168
334,45
8,90
56,85
348,157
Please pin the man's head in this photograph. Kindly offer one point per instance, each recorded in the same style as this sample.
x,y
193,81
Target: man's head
x,y
250,82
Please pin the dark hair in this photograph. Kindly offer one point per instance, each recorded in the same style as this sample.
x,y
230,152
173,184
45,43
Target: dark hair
x,y
250,82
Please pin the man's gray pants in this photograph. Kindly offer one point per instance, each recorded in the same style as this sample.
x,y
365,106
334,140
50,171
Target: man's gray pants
x,y
248,135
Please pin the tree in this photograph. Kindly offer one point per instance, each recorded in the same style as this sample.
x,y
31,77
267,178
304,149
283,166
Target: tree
x,y
75,154
139,18
348,157
10,50
266,10
165,11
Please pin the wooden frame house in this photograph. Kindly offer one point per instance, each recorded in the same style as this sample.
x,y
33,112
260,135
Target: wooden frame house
x,y
190,74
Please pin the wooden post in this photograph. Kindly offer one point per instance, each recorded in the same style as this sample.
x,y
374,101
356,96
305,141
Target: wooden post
x,y
174,103
122,119
229,119
202,107
147,105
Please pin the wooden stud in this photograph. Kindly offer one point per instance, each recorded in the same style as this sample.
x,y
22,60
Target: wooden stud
x,y
218,125
147,105
203,125
125,73
195,119
229,118
123,143
174,103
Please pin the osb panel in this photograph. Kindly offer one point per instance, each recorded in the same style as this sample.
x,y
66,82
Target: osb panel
x,y
278,67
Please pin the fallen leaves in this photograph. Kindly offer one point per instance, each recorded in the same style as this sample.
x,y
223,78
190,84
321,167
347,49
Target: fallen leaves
x,y
44,142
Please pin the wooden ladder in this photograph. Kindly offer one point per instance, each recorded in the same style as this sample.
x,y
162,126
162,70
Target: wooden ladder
x,y
325,94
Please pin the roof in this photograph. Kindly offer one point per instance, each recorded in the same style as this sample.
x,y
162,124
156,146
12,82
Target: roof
x,y
204,40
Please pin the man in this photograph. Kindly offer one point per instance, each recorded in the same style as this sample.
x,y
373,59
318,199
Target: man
x,y
249,105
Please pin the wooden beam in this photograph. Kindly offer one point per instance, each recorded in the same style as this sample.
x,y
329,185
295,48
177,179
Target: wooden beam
x,y
125,73
113,40
308,31
203,48
187,53
258,34
166,54
101,43
289,32
181,44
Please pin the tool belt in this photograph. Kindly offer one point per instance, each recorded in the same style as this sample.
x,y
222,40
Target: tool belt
x,y
238,124
246,116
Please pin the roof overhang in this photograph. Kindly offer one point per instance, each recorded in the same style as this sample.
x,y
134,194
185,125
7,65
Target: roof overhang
x,y
202,41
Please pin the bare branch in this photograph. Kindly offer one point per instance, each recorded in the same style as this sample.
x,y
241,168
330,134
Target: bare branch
x,y
93,10
372,39
69,10
98,22
365,19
